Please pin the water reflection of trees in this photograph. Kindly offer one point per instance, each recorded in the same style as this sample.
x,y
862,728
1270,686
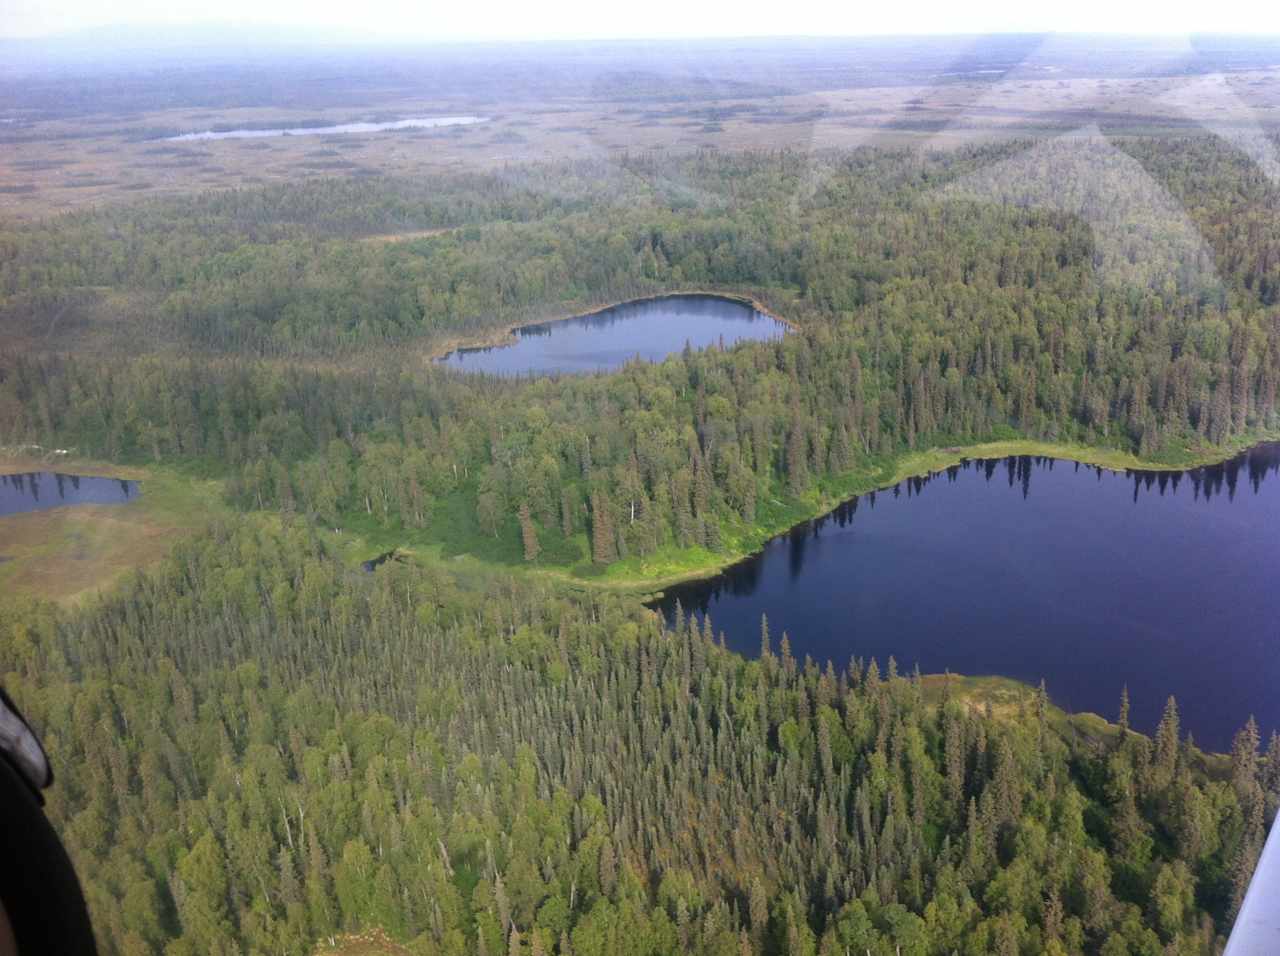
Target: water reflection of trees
x,y
27,485
31,485
1209,481
744,578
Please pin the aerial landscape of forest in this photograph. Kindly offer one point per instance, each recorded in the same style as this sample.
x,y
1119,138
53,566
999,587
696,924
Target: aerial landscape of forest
x,y
725,497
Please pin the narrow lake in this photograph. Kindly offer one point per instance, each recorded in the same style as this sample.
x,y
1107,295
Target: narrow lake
x,y
35,491
650,330
420,122
1034,568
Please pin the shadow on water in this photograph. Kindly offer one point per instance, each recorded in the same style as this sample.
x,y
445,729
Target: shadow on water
x,y
374,563
36,491
1033,567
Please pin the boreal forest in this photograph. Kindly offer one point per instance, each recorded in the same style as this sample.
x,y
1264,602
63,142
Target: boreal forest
x,y
493,745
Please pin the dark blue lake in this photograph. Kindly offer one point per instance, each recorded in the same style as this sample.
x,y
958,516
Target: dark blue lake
x,y
1034,568
649,330
35,491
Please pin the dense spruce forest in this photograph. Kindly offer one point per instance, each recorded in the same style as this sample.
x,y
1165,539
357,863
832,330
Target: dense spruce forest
x,y
260,748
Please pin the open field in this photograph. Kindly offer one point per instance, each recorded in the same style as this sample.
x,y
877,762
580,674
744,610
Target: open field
x,y
63,163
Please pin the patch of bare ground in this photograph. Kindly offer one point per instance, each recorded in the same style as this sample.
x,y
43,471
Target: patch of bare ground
x,y
405,236
372,942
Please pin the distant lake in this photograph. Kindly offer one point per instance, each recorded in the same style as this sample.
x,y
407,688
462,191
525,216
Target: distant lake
x,y
35,491
1034,568
650,329
421,122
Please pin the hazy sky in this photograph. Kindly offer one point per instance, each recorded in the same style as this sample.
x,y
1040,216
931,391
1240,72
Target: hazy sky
x,y
530,19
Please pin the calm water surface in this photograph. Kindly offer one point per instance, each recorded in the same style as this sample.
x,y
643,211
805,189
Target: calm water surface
x,y
421,122
650,330
38,490
1030,567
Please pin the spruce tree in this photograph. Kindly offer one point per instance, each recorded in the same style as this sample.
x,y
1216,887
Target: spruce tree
x,y
528,534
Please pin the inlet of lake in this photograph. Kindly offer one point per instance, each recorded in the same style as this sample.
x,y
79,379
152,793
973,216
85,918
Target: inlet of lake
x,y
420,122
648,329
1031,568
36,491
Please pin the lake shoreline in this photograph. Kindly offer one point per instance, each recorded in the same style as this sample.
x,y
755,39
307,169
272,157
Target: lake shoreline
x,y
505,335
911,465
21,461
1032,567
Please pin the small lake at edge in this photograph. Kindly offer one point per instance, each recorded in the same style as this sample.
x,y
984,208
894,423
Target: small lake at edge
x,y
36,491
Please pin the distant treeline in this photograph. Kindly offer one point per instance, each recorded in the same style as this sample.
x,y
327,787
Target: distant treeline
x,y
278,271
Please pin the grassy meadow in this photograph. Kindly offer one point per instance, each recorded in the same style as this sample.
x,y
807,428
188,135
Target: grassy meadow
x,y
68,553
